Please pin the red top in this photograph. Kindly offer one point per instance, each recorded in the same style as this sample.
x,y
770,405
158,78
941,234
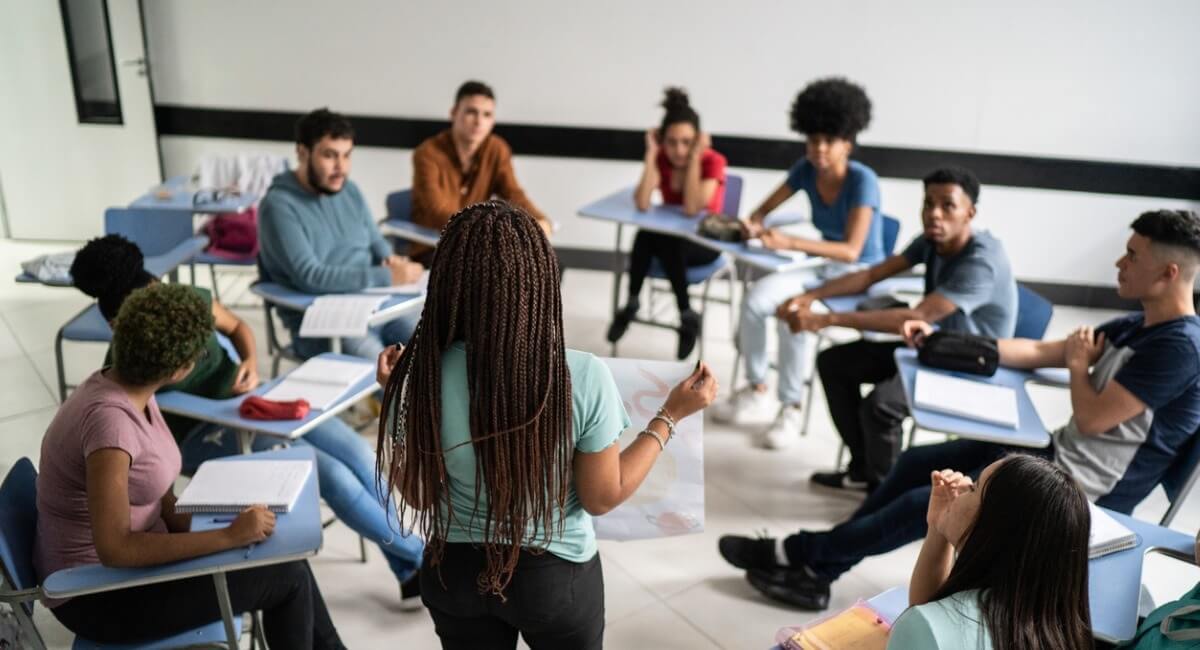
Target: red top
x,y
712,165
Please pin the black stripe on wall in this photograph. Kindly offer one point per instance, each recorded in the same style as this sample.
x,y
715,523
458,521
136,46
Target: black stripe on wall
x,y
1133,179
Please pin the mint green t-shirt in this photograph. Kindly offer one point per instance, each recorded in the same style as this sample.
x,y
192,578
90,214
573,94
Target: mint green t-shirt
x,y
952,623
599,418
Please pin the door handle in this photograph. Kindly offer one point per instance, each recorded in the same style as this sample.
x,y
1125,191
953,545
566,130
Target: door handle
x,y
139,62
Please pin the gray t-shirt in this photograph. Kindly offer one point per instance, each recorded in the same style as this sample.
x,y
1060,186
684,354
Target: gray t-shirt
x,y
978,280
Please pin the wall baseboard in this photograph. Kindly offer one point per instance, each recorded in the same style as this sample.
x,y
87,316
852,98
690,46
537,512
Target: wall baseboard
x,y
1074,295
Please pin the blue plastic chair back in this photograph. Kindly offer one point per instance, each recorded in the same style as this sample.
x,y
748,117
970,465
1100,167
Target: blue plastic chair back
x,y
154,231
891,233
1176,480
733,195
18,526
1033,314
399,205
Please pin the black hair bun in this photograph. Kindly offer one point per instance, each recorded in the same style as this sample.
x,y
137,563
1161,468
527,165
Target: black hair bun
x,y
675,98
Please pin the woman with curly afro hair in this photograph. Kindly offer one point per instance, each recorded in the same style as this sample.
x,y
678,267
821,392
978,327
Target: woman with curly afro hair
x,y
105,494
844,196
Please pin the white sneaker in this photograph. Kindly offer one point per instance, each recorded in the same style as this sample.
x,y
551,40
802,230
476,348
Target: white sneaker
x,y
744,405
785,430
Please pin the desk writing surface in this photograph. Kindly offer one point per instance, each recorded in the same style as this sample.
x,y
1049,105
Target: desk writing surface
x,y
297,535
1030,432
619,208
410,231
225,411
156,265
177,195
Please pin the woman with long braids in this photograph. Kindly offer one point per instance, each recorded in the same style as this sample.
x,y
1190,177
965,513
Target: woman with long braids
x,y
1020,578
502,442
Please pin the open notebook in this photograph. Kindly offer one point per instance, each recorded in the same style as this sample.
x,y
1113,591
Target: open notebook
x,y
321,381
966,398
234,485
1108,535
339,315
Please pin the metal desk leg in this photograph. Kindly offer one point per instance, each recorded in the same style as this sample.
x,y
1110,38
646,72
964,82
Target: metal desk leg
x,y
617,270
335,345
226,608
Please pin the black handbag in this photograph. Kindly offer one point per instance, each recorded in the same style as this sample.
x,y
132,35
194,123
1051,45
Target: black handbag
x,y
720,227
960,352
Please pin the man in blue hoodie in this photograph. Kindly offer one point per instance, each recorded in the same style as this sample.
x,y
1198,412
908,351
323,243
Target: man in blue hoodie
x,y
317,236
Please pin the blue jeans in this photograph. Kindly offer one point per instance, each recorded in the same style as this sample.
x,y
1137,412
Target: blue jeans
x,y
394,331
894,514
346,473
796,351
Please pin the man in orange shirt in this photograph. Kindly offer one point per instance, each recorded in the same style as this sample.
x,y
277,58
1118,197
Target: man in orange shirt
x,y
465,164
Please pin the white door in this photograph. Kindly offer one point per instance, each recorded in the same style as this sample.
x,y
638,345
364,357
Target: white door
x,y
76,121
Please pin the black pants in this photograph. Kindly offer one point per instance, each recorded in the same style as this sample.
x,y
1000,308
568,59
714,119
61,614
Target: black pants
x,y
551,602
675,254
294,614
871,426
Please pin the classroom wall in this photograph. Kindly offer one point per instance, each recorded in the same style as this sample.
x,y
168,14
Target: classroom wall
x,y
1096,81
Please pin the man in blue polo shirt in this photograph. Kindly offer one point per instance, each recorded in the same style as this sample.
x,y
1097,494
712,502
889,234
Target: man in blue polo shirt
x,y
1135,392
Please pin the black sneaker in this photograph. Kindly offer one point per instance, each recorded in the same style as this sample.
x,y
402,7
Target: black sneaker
x,y
689,331
410,593
621,321
748,552
840,481
797,587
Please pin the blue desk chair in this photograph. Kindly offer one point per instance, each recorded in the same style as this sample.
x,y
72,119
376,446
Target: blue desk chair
x,y
212,261
279,351
398,224
722,267
18,528
1180,478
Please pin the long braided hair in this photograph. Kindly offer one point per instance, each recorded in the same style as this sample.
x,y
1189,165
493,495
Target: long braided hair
x,y
493,286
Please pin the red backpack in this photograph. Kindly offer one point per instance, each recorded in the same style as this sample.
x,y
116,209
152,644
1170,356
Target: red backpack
x,y
233,235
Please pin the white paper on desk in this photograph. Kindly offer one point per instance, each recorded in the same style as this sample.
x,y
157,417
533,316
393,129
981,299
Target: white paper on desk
x,y
966,398
420,286
321,382
670,500
234,485
1107,535
342,315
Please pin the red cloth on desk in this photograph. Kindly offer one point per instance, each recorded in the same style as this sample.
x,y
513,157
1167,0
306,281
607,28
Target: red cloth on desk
x,y
257,408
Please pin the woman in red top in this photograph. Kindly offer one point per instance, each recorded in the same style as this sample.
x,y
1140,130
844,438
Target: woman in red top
x,y
681,164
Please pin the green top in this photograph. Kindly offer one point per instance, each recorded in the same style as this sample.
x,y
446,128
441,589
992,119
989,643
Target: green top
x,y
598,419
212,377
952,623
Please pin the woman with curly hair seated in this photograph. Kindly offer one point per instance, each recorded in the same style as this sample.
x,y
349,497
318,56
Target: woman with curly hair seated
x,y
844,197
105,494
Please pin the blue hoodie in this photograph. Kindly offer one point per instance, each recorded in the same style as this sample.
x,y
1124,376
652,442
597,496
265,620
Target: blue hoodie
x,y
320,243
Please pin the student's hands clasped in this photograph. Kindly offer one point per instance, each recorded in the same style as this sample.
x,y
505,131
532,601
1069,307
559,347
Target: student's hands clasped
x,y
693,394
1083,348
948,485
404,270
252,525
774,240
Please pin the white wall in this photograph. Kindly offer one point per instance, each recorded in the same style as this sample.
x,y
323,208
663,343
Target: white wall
x,y
1101,80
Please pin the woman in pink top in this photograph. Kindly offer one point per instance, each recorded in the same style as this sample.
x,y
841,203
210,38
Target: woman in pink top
x,y
104,494
681,164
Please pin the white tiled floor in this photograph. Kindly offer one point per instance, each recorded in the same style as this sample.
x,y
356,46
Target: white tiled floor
x,y
669,593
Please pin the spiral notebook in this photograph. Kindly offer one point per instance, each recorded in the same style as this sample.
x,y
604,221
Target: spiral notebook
x,y
966,398
234,485
1108,535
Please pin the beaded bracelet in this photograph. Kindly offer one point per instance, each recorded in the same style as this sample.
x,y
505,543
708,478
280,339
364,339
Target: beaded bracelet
x,y
662,446
666,418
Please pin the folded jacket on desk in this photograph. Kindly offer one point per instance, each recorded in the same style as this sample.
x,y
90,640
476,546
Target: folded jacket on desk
x,y
257,408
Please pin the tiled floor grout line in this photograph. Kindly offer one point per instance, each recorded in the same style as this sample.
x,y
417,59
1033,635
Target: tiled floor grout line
x,y
32,364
